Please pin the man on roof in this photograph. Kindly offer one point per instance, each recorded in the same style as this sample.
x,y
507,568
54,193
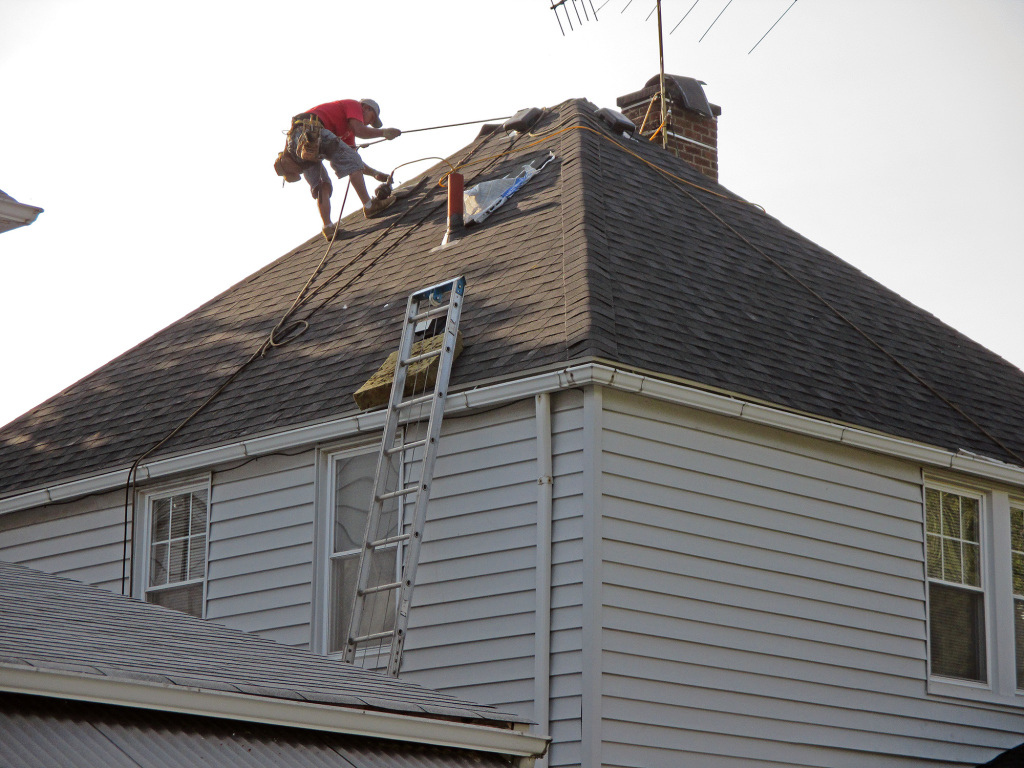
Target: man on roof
x,y
328,132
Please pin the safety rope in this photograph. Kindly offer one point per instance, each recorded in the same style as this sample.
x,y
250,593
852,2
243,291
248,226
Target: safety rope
x,y
301,299
437,128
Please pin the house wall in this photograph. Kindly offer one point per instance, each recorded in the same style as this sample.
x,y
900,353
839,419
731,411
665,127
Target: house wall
x,y
763,602
721,593
472,627
260,566
83,540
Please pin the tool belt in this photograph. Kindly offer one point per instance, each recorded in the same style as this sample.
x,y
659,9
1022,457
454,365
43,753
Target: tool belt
x,y
307,127
288,167
304,136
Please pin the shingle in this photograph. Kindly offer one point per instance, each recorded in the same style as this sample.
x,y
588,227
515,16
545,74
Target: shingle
x,y
600,255
53,623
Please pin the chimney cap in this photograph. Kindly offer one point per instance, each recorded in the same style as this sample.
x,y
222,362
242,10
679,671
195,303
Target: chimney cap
x,y
686,92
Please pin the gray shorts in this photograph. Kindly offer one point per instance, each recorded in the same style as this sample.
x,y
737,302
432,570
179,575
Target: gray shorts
x,y
344,160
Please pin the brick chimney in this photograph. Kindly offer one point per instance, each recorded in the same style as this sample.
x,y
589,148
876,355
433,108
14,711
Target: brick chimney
x,y
692,121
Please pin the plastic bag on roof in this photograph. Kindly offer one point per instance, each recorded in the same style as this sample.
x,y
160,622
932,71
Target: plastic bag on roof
x,y
481,200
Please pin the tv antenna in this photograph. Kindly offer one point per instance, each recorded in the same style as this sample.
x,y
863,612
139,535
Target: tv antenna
x,y
563,5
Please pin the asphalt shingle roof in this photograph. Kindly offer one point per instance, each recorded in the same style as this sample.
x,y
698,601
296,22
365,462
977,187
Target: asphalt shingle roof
x,y
601,256
54,623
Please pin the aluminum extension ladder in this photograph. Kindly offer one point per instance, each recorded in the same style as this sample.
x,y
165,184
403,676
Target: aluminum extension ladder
x,y
423,311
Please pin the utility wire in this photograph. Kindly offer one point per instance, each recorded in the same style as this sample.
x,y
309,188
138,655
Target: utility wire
x,y
771,27
683,183
684,16
831,307
715,21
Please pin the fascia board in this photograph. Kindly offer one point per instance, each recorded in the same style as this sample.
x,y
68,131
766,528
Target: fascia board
x,y
25,501
792,422
570,377
903,449
191,461
267,711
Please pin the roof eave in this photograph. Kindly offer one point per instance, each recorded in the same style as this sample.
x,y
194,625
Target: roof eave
x,y
512,741
570,376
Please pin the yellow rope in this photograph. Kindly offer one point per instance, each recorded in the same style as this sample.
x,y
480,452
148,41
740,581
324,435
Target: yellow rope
x,y
650,105
654,135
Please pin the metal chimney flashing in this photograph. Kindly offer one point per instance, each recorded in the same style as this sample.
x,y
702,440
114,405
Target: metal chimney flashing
x,y
687,92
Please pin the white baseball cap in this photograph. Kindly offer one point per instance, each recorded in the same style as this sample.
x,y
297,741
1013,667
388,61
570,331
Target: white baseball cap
x,y
376,110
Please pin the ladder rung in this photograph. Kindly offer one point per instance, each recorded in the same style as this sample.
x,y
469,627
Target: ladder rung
x,y
417,401
400,492
380,588
390,540
374,636
435,312
406,447
424,356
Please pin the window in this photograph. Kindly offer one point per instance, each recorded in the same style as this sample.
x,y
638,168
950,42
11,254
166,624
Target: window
x,y
1017,558
974,558
956,599
174,534
351,475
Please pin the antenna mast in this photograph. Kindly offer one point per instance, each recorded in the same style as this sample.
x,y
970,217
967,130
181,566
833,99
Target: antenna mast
x,y
661,82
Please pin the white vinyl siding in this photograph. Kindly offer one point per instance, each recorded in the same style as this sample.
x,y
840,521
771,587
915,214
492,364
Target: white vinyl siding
x,y
261,547
83,539
764,600
472,624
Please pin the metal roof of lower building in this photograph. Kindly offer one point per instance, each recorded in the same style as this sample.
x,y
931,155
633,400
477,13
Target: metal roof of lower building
x,y
39,732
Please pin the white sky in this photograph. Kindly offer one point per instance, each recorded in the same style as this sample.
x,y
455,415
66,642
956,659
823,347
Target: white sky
x,y
889,131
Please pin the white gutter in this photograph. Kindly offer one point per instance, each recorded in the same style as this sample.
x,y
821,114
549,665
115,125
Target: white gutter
x,y
571,377
267,711
542,637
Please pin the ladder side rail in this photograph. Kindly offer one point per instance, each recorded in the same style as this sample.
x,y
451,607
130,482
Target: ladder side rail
x,y
391,421
411,560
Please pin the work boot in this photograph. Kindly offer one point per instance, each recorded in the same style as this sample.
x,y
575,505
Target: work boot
x,y
377,207
333,232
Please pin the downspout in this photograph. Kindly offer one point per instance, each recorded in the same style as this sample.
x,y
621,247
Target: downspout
x,y
542,642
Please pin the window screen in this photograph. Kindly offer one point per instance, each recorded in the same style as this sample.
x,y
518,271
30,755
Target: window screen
x,y
353,488
1017,554
177,550
956,602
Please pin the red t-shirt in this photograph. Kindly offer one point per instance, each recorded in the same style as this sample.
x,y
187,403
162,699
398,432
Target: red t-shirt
x,y
335,114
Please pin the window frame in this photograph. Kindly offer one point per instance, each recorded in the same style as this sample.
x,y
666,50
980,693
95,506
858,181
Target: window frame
x,y
996,588
324,556
1015,502
144,502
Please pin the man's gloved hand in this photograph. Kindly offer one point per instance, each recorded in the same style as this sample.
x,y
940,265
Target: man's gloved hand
x,y
381,176
391,133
